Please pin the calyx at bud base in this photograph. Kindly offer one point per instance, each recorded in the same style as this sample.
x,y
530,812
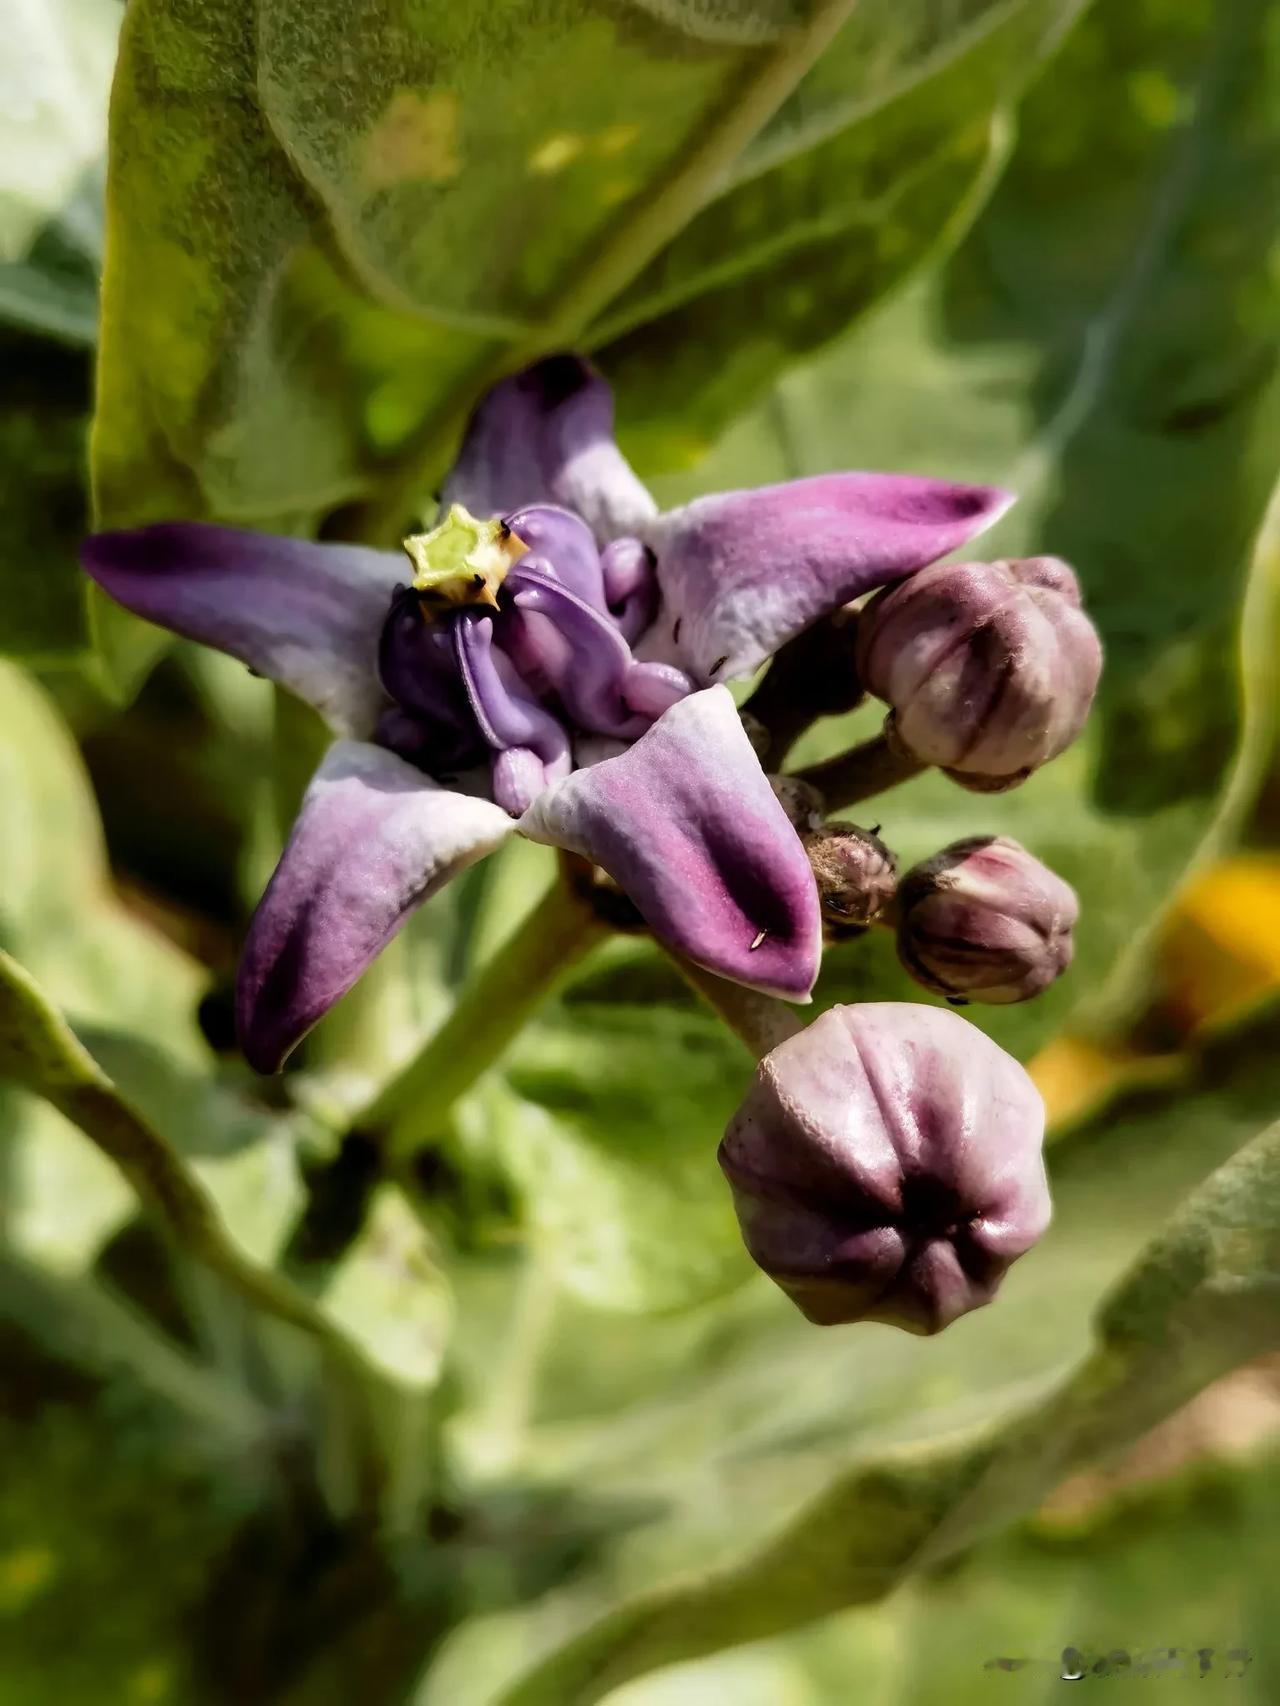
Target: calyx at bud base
x,y
856,874
886,1166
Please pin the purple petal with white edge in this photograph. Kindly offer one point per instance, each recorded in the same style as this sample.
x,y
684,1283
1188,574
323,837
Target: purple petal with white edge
x,y
374,839
546,436
686,822
305,615
741,573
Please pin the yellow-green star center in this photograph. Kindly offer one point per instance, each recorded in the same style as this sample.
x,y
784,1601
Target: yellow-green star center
x,y
462,561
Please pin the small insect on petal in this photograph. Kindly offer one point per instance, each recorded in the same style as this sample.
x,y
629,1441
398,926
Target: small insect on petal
x,y
759,939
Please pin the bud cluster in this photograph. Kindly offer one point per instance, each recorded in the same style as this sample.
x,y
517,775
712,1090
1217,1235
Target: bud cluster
x,y
886,1162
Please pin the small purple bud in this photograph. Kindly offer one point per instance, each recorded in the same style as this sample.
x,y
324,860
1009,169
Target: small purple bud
x,y
886,1166
984,920
989,668
856,874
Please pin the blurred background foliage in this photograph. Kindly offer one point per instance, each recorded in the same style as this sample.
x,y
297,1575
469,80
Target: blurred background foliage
x,y
521,1427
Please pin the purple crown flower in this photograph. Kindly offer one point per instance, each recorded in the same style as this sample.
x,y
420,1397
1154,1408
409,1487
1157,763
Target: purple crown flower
x,y
886,1166
550,660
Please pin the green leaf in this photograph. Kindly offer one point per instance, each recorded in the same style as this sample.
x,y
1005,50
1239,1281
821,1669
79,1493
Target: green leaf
x,y
823,217
58,911
311,273
43,507
611,1144
1182,1562
1104,343
730,1420
53,121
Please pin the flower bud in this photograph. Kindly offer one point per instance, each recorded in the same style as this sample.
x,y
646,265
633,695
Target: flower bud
x,y
984,920
989,668
800,800
886,1166
856,874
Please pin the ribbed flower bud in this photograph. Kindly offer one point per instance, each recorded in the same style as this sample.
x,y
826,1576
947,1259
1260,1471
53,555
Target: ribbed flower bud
x,y
856,874
990,668
886,1166
984,920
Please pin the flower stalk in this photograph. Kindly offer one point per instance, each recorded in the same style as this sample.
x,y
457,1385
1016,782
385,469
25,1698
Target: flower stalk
x,y
411,1109
862,772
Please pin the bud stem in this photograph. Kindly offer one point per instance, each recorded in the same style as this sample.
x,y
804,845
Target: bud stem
x,y
861,772
759,1021
812,676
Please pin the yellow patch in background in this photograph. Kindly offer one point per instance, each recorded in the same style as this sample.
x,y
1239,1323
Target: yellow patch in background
x,y
416,138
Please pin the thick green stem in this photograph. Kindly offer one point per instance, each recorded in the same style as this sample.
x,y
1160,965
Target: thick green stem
x,y
861,773
759,1021
490,1012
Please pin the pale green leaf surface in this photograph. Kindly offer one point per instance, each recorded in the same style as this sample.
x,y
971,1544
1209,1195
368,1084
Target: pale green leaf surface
x,y
788,258
53,110
321,243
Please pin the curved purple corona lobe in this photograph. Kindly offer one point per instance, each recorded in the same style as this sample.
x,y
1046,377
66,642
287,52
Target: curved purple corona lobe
x,y
417,667
509,717
590,684
630,586
741,573
886,1166
546,436
566,543
686,822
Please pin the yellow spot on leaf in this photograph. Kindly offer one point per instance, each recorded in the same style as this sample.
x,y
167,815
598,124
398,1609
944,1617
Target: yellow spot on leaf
x,y
616,138
416,138
151,1683
555,154
1157,99
23,1574
616,190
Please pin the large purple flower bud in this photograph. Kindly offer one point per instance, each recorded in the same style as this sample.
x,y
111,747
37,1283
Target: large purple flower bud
x,y
886,1166
990,668
984,920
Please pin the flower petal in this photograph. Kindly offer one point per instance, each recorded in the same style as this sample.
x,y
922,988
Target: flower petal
x,y
546,436
305,615
374,838
687,823
743,572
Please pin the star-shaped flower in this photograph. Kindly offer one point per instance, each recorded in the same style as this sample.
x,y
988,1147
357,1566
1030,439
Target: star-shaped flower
x,y
550,661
